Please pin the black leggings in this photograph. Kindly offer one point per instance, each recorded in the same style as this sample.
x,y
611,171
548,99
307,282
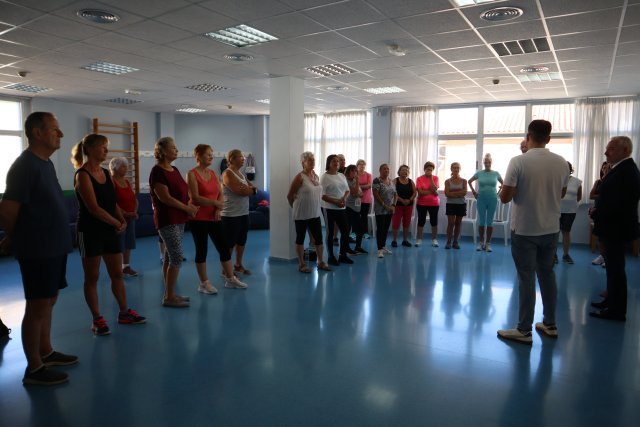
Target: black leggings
x,y
354,225
315,229
382,229
339,217
422,215
363,223
200,230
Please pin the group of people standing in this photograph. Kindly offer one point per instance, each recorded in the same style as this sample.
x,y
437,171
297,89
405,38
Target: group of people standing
x,y
33,214
343,197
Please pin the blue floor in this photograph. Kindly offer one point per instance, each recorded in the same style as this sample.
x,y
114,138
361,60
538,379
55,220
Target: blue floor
x,y
405,341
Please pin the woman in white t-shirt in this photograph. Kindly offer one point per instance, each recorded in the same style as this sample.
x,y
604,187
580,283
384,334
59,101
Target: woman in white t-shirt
x,y
568,209
335,191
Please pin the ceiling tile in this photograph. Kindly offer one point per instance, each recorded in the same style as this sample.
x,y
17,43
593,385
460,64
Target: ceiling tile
x,y
430,69
597,53
165,53
454,39
64,28
197,19
345,14
400,8
353,53
630,34
477,64
156,32
374,32
288,25
466,53
632,15
322,41
34,38
14,14
46,6
118,42
433,23
147,8
247,10
558,8
586,39
540,58
585,22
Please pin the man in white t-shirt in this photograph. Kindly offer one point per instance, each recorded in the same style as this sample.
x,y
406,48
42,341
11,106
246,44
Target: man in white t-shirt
x,y
536,182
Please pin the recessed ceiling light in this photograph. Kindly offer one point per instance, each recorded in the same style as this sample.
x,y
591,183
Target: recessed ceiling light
x,y
133,91
206,87
237,57
241,36
263,101
330,70
338,88
383,90
106,67
535,69
190,109
27,88
539,77
125,101
501,14
98,16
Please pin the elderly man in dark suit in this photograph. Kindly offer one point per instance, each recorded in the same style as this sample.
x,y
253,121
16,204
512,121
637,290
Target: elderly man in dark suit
x,y
615,218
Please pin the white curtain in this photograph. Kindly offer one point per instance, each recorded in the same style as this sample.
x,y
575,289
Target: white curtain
x,y
414,139
596,121
338,133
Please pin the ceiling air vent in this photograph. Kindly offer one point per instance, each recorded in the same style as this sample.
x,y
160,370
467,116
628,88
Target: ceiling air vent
x,y
123,101
27,88
237,57
330,70
534,69
520,47
206,87
501,14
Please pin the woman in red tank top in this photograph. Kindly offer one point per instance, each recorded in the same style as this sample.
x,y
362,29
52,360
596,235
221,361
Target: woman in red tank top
x,y
128,204
205,192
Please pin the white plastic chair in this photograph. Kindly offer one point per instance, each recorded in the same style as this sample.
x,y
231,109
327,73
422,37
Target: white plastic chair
x,y
472,218
502,219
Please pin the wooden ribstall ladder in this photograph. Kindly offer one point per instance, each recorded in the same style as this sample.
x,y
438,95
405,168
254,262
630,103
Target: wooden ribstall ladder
x,y
131,154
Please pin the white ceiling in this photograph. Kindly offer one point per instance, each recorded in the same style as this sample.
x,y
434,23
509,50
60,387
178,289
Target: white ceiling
x,y
595,45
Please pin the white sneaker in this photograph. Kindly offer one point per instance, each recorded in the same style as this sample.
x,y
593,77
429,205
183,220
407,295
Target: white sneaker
x,y
598,261
418,242
516,335
550,331
386,250
488,247
380,253
434,243
234,283
479,247
207,288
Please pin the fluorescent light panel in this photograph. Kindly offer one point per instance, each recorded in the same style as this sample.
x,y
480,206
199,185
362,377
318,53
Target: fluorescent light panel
x,y
539,77
190,109
383,90
206,87
241,36
27,88
330,70
124,101
106,67
263,101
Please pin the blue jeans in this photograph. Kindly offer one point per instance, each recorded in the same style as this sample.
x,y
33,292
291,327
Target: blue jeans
x,y
533,255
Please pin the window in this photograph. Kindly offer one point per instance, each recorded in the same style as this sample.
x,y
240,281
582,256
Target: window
x,y
10,137
502,149
458,121
462,151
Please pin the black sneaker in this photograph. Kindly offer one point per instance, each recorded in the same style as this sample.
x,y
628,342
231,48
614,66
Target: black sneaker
x,y
59,359
394,244
345,259
406,244
351,252
44,376
361,251
333,261
567,259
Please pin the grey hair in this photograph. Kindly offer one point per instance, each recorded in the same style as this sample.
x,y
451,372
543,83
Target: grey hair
x,y
487,157
625,142
116,162
304,156
161,146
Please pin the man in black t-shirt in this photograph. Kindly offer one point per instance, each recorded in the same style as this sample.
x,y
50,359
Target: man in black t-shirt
x,y
34,216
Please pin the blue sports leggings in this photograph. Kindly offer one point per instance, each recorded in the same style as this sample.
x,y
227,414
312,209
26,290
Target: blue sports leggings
x,y
486,209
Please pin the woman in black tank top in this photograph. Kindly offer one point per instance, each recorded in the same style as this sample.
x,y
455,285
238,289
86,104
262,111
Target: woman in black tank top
x,y
406,191
99,222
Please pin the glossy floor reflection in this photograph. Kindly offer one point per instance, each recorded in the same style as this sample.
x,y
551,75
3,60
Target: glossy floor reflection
x,y
405,341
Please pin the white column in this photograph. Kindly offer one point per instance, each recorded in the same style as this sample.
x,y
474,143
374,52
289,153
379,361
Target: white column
x,y
286,143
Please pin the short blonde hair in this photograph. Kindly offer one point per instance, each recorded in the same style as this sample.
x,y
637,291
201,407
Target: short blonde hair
x,y
233,154
116,162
